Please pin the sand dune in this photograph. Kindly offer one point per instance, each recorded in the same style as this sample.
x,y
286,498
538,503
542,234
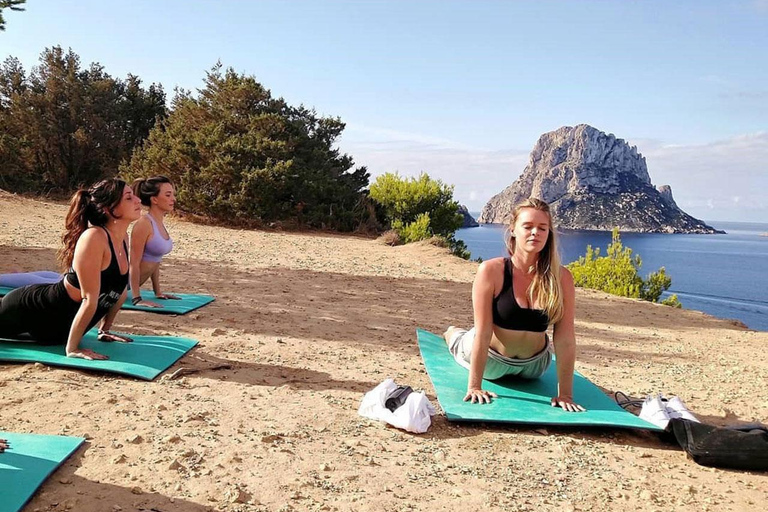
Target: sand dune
x,y
302,326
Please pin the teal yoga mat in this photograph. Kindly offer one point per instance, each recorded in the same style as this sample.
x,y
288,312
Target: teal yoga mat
x,y
145,358
28,462
519,401
189,302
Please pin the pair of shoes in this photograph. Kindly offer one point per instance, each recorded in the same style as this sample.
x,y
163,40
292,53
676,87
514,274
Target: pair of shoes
x,y
654,411
677,409
660,410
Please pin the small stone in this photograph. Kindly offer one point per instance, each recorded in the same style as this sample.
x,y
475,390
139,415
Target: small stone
x,y
176,465
235,495
65,481
136,439
172,439
136,490
120,459
325,467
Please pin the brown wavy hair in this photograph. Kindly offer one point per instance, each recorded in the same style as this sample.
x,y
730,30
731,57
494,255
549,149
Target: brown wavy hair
x,y
147,188
546,288
94,206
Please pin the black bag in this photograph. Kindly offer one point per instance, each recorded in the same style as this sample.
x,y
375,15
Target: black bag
x,y
397,397
723,447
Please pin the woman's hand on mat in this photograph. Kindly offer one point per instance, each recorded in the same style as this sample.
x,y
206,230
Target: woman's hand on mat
x,y
479,396
167,296
107,336
87,354
148,304
3,445
567,403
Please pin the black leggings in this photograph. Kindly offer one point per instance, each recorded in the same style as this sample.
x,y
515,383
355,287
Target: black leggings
x,y
43,311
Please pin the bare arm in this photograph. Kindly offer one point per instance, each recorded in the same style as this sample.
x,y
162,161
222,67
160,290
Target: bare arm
x,y
156,281
89,253
482,299
139,237
564,340
156,286
106,323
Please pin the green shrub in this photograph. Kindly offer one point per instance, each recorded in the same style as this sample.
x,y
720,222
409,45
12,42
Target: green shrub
x,y
414,231
419,209
673,301
618,273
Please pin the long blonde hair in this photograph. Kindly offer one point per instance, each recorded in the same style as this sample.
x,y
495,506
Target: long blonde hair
x,y
546,289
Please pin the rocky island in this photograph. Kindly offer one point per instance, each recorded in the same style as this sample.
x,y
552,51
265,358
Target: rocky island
x,y
595,181
469,220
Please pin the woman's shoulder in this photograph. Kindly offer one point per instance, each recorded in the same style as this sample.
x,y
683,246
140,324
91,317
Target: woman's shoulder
x,y
491,266
142,226
93,239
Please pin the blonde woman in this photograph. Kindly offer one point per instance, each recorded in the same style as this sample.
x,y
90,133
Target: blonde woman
x,y
515,300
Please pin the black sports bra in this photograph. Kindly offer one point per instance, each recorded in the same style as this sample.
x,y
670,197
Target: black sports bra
x,y
113,283
508,314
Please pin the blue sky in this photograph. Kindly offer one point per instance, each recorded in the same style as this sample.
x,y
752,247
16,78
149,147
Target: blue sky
x,y
462,90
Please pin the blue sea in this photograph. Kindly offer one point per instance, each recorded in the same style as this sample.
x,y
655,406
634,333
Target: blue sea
x,y
723,275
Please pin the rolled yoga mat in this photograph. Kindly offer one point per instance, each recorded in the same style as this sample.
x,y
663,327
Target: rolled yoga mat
x,y
28,462
188,302
520,400
145,358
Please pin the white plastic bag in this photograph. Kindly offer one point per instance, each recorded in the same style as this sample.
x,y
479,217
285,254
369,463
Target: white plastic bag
x,y
415,415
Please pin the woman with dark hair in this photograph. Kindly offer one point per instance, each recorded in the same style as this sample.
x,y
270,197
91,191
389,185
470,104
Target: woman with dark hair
x,y
93,288
515,300
150,240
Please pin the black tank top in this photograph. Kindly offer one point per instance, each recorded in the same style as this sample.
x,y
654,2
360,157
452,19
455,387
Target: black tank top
x,y
113,283
508,314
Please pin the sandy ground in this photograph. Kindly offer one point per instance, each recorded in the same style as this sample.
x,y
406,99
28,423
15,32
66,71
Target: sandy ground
x,y
307,324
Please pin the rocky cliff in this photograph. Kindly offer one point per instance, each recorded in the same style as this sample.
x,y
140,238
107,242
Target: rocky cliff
x,y
592,180
469,220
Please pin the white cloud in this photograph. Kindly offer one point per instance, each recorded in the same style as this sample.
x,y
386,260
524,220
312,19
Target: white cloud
x,y
477,173
720,180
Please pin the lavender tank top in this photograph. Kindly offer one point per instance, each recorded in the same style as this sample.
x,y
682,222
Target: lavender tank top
x,y
157,247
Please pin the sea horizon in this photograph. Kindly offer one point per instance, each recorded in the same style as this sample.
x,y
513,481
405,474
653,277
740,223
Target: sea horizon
x,y
714,273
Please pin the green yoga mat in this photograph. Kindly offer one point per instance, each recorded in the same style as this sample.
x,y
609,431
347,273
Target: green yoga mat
x,y
28,462
189,302
520,400
145,358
